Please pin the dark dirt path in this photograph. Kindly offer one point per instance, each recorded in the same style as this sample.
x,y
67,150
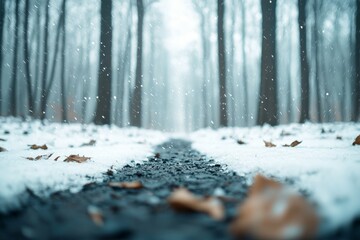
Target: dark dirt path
x,y
133,214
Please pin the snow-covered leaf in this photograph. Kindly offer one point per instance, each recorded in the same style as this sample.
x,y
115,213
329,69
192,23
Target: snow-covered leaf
x,y
36,147
76,158
269,144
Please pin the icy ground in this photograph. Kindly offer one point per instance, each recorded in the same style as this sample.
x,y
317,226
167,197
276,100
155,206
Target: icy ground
x,y
114,147
325,165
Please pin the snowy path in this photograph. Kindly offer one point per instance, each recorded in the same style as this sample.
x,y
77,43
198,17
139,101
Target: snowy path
x,y
325,164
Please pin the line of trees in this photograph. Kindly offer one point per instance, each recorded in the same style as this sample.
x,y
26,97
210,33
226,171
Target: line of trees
x,y
307,69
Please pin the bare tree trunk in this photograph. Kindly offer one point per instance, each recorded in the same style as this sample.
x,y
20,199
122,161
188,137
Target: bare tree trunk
x,y
136,100
2,21
268,92
317,62
304,64
231,79
222,63
205,56
244,68
27,59
14,103
37,59
103,107
45,64
356,93
64,116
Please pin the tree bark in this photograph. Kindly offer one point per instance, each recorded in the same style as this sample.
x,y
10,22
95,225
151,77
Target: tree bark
x,y
267,112
27,59
2,21
317,62
136,99
304,64
244,68
356,94
13,102
64,116
222,63
103,107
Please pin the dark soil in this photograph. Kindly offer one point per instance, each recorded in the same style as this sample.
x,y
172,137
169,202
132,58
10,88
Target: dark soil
x,y
142,213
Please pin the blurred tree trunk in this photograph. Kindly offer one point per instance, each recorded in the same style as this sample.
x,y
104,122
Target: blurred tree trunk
x,y
356,93
317,61
27,59
44,93
64,116
37,59
304,65
13,102
244,68
103,107
267,112
136,98
2,21
222,63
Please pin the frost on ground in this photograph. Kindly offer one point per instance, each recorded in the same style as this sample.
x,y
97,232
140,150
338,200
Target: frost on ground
x,y
325,164
106,147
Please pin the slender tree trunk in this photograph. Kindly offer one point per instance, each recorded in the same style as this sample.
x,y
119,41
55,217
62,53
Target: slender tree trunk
x,y
45,64
136,101
14,92
231,79
304,64
205,64
27,59
268,92
222,63
103,107
244,68
37,57
64,116
356,93
317,62
2,21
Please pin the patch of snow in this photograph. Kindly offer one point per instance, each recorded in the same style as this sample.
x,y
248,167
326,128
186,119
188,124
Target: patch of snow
x,y
325,164
114,147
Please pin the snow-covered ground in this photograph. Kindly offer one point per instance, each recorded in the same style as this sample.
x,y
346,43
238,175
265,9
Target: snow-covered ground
x,y
325,164
114,147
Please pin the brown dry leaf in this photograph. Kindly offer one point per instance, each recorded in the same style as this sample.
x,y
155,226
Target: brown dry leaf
x,y
76,158
269,144
35,147
2,149
89,144
39,157
96,215
128,185
293,144
183,200
356,141
270,211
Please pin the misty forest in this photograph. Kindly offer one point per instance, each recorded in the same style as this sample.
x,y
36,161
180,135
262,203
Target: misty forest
x,y
144,63
179,119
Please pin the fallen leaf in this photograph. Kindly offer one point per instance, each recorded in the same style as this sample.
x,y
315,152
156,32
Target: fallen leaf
x,y
293,144
240,142
339,138
89,144
269,144
356,141
157,155
183,200
2,149
271,211
39,157
76,158
96,215
35,147
128,185
57,158
2,140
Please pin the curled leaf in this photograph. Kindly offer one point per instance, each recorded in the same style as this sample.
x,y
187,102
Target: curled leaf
x,y
76,158
39,157
96,215
293,144
272,212
57,158
183,200
35,147
269,144
356,141
128,185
